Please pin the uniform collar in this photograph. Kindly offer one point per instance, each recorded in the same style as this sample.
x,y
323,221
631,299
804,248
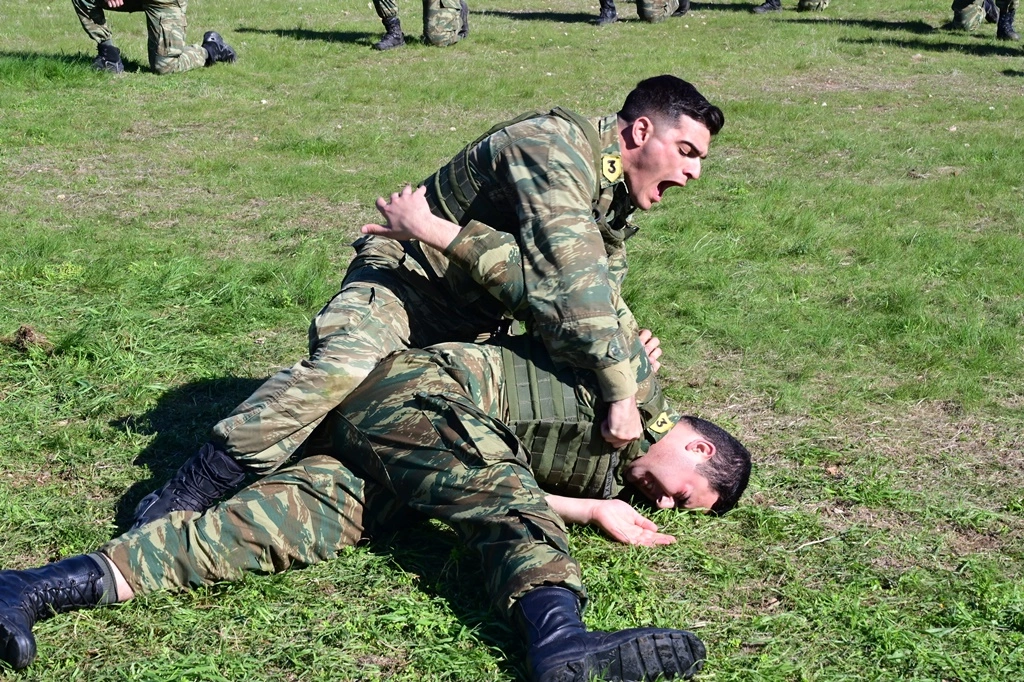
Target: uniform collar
x,y
608,133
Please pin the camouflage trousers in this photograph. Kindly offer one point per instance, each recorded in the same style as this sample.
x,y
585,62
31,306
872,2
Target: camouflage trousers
x,y
383,306
442,19
408,440
968,15
165,24
653,11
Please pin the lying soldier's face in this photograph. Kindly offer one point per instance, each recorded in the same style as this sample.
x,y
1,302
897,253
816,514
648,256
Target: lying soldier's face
x,y
667,475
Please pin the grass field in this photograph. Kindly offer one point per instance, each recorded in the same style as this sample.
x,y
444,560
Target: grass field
x,y
842,288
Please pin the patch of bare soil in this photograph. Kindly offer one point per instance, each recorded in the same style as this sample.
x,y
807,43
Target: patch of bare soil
x,y
27,337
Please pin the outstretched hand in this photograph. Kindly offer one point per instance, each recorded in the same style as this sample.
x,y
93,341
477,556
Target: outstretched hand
x,y
620,521
407,216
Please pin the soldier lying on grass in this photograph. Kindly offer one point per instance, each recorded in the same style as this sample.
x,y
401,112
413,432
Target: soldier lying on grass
x,y
491,440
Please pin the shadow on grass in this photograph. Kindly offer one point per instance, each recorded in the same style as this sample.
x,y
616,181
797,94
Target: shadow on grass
x,y
446,569
918,27
556,17
180,422
980,50
723,7
358,37
19,66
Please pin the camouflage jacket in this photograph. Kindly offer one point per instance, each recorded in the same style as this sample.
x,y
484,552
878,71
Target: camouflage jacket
x,y
532,239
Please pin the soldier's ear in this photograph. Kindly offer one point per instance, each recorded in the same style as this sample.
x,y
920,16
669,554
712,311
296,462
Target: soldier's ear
x,y
701,447
641,130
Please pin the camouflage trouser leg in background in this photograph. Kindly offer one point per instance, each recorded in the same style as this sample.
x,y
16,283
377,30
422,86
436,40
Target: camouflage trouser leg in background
x,y
442,21
94,21
386,9
299,516
968,14
165,23
653,11
451,460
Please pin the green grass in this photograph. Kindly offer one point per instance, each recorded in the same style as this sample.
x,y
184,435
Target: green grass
x,y
842,288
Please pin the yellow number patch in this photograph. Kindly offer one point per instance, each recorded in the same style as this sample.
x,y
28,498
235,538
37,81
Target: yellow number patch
x,y
661,424
611,166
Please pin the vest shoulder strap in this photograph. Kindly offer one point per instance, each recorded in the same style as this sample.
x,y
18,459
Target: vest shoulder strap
x,y
456,188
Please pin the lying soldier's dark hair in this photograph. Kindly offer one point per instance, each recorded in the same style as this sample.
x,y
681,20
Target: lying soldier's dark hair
x,y
671,97
728,470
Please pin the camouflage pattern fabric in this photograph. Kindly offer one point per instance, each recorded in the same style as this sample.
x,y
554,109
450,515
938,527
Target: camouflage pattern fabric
x,y
653,11
968,15
385,305
165,24
442,21
537,180
423,434
812,5
386,9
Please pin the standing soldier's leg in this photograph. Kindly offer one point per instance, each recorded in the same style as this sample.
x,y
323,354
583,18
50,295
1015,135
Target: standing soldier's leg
x,y
168,52
653,11
94,21
768,6
1007,12
387,10
445,22
608,14
967,14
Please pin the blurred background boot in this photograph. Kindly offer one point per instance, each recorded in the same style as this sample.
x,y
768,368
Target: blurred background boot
x,y
393,36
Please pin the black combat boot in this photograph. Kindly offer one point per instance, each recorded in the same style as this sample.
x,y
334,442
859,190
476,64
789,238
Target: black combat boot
x,y
608,15
991,11
1005,29
38,593
205,478
216,49
559,648
684,7
108,58
768,6
464,15
393,36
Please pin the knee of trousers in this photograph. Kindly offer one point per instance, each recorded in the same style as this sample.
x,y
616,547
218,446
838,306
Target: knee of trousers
x,y
654,11
442,20
442,38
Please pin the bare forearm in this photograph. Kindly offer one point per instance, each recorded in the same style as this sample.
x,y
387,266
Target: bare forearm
x,y
573,510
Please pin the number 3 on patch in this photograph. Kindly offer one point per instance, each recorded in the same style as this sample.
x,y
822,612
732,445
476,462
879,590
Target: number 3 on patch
x,y
662,424
611,167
